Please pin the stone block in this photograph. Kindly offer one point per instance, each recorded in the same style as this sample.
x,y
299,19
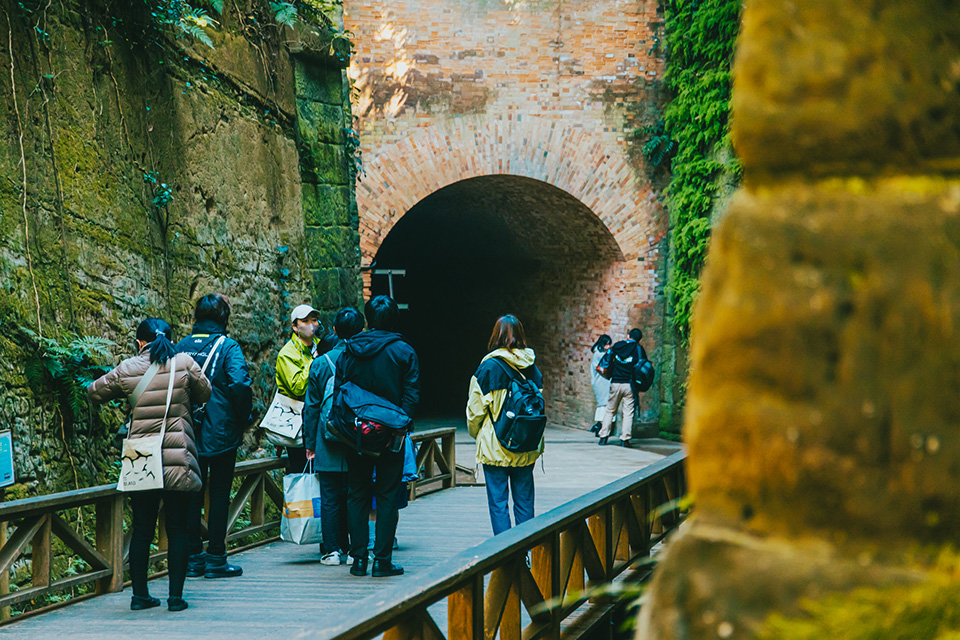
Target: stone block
x,y
321,162
319,122
714,583
812,97
322,82
326,288
326,205
826,363
329,247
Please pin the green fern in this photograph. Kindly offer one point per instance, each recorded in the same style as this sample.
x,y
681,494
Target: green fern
x,y
66,369
284,13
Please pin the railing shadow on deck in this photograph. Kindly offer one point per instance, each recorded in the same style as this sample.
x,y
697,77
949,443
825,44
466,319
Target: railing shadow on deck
x,y
589,541
38,524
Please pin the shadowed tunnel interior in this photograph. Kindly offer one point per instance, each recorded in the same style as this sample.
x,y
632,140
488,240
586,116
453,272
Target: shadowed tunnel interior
x,y
487,246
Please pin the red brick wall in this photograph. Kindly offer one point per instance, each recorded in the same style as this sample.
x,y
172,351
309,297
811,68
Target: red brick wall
x,y
448,90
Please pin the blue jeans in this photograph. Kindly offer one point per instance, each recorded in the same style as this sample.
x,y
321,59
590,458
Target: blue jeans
x,y
501,481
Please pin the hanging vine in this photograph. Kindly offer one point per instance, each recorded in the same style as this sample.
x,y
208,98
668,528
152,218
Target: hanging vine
x,y
700,37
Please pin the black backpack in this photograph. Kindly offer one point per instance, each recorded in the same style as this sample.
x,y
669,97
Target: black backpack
x,y
365,422
643,371
522,420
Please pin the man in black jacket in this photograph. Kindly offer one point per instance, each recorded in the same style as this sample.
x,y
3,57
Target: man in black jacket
x,y
381,362
623,356
220,430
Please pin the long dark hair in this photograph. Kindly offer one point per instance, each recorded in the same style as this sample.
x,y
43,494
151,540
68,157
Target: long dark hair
x,y
507,334
601,342
158,334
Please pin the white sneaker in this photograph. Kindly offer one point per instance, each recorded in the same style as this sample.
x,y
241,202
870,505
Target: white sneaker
x,y
331,559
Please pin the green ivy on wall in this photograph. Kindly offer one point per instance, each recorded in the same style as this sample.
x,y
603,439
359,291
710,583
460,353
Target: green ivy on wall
x,y
700,37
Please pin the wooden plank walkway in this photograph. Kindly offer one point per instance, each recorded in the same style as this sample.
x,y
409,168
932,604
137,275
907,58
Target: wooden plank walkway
x,y
285,591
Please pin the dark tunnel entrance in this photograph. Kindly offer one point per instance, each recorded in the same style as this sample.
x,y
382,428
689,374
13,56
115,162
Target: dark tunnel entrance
x,y
486,246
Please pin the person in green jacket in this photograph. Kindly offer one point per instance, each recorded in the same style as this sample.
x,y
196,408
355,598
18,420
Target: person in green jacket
x,y
293,368
504,471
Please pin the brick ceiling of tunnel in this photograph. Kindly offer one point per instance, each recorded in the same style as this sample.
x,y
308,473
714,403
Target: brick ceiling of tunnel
x,y
525,218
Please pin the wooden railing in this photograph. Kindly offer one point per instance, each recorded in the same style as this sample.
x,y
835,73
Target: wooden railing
x,y
38,522
589,541
436,461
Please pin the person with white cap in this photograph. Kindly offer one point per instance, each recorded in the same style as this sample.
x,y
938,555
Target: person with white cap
x,y
293,367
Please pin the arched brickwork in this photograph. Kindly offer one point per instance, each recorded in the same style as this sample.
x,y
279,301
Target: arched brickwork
x,y
609,294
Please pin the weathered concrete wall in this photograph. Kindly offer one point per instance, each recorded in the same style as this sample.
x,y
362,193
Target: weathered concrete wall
x,y
450,90
99,100
822,416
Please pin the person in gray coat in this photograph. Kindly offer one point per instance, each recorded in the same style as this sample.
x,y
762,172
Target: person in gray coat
x,y
328,458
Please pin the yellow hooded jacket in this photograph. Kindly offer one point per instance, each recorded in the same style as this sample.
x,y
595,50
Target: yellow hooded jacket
x,y
488,390
293,368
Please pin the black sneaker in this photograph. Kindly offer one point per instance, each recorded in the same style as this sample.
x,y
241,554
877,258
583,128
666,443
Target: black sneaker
x,y
626,444
139,603
196,564
602,441
359,567
385,568
217,567
176,604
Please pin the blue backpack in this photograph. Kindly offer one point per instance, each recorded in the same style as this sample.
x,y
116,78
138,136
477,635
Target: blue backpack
x,y
522,420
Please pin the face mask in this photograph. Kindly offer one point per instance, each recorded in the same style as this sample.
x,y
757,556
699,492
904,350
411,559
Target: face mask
x,y
306,330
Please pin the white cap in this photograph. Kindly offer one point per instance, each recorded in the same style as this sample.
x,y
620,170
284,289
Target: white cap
x,y
302,312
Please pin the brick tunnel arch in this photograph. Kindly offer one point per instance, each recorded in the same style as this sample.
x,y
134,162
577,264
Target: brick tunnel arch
x,y
605,230
490,245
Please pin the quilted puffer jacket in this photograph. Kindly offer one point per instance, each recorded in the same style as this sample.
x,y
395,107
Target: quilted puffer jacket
x,y
181,471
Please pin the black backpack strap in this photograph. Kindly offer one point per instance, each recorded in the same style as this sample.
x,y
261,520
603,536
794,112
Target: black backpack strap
x,y
507,368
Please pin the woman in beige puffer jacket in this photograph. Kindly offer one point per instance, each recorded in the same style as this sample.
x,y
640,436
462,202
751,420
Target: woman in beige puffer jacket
x,y
181,471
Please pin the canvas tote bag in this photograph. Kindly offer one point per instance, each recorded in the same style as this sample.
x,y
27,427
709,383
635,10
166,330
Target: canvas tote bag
x,y
141,464
283,422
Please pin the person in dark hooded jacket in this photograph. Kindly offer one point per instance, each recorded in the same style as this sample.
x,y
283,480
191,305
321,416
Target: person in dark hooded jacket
x,y
221,430
381,362
623,356
329,458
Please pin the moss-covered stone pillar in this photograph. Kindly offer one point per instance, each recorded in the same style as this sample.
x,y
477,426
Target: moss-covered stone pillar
x,y
824,404
327,174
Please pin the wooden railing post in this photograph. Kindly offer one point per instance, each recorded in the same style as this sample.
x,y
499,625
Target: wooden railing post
x,y
5,574
40,554
450,455
545,566
110,541
465,611
257,503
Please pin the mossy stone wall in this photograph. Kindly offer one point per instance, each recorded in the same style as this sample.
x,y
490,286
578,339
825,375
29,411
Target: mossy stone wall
x,y
244,139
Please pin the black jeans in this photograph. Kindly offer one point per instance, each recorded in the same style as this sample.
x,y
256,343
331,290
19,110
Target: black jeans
x,y
217,475
145,505
296,459
362,488
333,511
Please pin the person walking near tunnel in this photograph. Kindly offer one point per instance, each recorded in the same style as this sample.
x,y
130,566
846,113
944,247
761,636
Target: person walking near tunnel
x,y
380,362
601,385
219,426
159,405
505,471
624,355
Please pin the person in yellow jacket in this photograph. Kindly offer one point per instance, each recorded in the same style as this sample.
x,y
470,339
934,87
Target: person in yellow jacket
x,y
504,471
293,368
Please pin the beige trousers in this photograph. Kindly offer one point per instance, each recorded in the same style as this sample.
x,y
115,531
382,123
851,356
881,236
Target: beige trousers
x,y
619,392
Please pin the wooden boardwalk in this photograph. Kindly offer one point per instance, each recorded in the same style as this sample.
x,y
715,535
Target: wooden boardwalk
x,y
285,591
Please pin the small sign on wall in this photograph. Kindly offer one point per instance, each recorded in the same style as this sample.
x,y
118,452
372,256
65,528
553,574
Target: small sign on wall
x,y
6,459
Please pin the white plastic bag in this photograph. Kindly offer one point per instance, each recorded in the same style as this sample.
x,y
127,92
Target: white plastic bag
x,y
300,520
